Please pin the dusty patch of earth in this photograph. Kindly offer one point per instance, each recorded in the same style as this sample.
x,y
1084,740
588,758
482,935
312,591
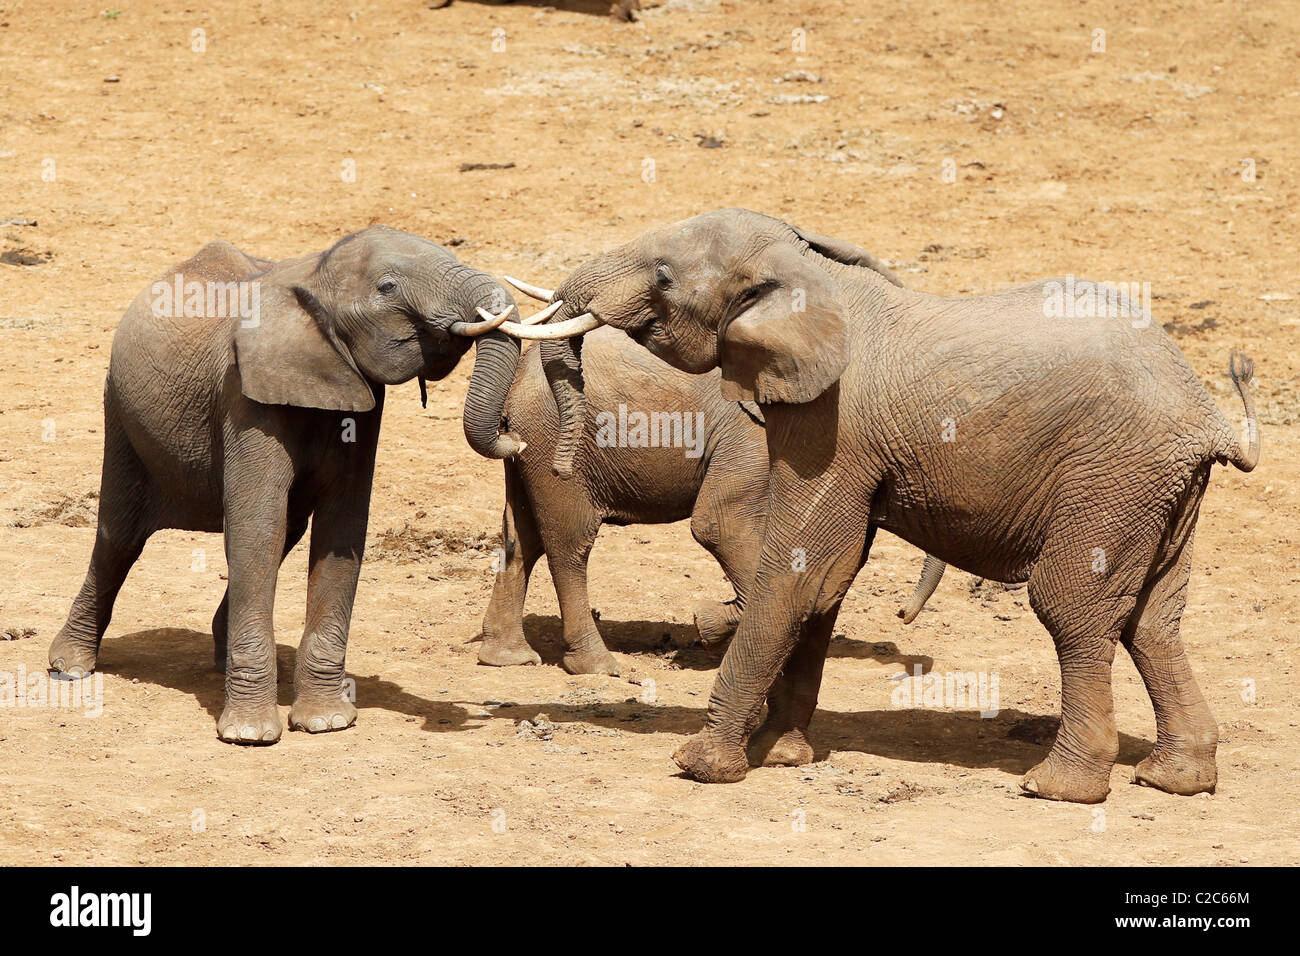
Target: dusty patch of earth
x,y
971,154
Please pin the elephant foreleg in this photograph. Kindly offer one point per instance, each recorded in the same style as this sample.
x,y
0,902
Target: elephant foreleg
x,y
338,542
809,559
257,479
782,740
338,539
585,651
568,530
221,619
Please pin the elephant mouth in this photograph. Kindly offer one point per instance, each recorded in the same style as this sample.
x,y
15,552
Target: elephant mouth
x,y
439,366
590,310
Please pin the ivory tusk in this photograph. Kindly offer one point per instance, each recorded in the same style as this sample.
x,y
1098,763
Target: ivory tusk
x,y
558,330
543,315
490,322
536,291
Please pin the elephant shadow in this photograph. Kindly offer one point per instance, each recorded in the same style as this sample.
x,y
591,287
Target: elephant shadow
x,y
545,633
1013,741
882,652
599,8
182,660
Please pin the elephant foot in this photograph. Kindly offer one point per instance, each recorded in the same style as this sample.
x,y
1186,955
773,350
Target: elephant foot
x,y
72,656
715,622
506,651
769,747
321,716
1178,772
591,661
709,760
249,724
1053,780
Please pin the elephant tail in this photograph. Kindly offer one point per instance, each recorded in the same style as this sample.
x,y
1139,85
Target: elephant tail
x,y
930,577
1242,369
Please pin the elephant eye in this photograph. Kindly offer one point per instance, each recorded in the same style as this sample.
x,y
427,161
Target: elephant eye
x,y
387,287
663,278
753,292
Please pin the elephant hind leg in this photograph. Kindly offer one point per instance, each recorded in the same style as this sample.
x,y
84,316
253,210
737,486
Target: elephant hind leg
x,y
1084,590
126,519
716,621
1183,759
568,527
504,643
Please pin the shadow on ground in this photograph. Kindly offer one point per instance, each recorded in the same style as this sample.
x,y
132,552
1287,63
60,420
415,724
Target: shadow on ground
x,y
182,660
680,644
599,8
1013,741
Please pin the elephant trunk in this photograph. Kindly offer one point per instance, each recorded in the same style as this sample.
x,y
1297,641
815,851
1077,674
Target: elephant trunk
x,y
496,358
562,363
607,280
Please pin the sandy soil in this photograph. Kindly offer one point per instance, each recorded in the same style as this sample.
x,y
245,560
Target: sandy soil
x,y
122,149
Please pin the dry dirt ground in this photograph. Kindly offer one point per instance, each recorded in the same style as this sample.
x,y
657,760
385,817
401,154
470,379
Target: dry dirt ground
x,y
124,147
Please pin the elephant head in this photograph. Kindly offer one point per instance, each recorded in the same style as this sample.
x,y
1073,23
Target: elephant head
x,y
380,307
730,288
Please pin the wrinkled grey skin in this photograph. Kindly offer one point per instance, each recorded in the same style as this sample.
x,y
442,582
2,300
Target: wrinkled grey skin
x,y
1082,449
723,492
257,425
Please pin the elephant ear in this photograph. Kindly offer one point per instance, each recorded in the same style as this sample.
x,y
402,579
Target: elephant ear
x,y
847,253
790,341
754,411
288,356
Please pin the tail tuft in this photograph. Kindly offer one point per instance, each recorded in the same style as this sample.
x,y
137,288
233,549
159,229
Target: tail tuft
x,y
1242,369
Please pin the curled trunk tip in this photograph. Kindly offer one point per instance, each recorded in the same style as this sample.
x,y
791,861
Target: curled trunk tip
x,y
496,358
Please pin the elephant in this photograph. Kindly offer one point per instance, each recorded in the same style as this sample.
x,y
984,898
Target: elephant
x,y
710,466
1017,440
244,396
715,474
